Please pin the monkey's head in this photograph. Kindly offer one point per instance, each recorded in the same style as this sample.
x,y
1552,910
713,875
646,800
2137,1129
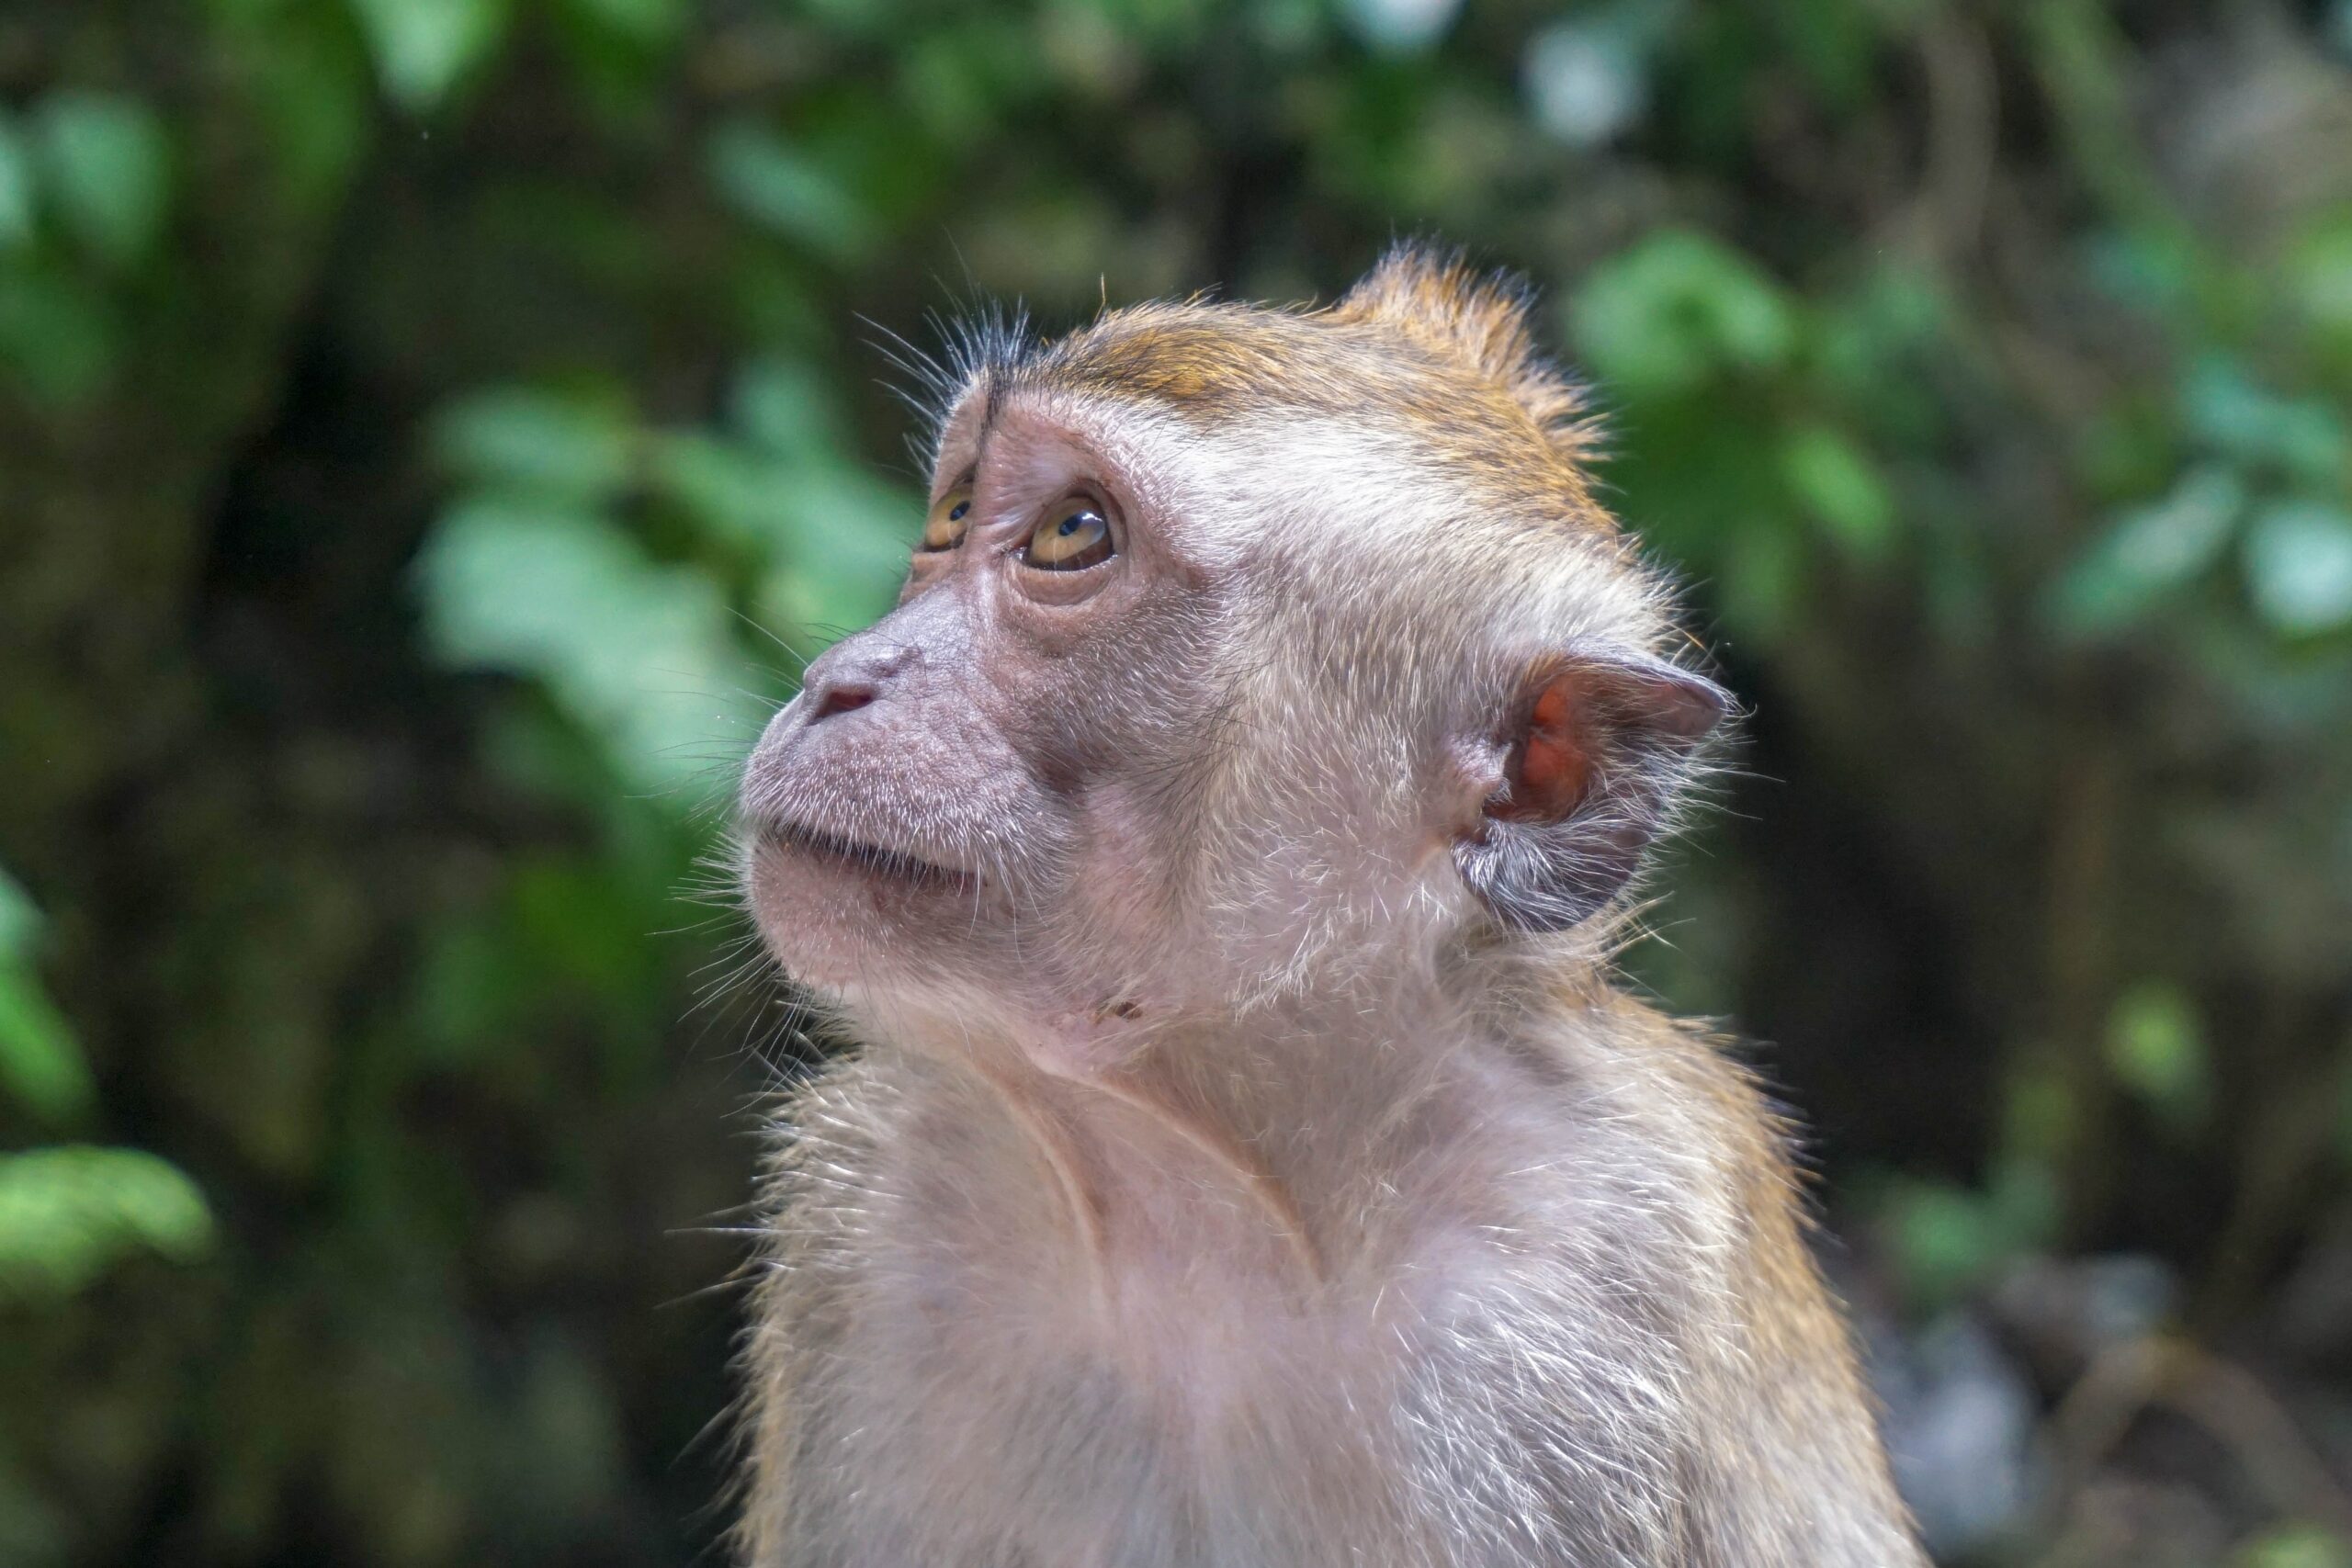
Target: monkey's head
x,y
1246,654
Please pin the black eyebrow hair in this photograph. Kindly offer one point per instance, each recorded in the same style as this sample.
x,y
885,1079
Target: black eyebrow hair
x,y
998,381
992,394
980,442
984,349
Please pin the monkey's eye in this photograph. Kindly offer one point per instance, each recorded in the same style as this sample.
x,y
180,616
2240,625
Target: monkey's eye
x,y
950,515
1071,536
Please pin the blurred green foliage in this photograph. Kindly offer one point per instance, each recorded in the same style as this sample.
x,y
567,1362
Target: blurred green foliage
x,y
67,1212
432,432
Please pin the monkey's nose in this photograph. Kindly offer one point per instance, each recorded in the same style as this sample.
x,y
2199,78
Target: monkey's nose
x,y
849,678
841,699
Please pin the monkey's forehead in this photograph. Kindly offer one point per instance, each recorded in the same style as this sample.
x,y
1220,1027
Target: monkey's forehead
x,y
1227,366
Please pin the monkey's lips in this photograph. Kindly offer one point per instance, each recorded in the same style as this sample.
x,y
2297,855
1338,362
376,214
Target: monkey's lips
x,y
867,860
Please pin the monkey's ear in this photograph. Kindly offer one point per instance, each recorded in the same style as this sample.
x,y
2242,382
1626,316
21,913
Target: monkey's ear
x,y
1592,753
1478,318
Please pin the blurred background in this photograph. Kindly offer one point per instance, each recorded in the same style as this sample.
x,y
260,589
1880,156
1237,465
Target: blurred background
x,y
434,432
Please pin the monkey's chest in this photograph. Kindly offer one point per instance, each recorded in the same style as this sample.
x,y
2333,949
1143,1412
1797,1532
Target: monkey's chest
x,y
969,1416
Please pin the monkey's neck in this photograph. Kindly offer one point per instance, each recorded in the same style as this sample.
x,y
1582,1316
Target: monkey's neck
x,y
1247,1144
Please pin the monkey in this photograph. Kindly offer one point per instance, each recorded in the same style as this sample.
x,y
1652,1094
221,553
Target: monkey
x,y
1251,1158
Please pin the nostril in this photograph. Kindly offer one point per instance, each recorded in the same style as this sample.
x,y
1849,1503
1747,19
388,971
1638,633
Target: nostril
x,y
850,675
843,698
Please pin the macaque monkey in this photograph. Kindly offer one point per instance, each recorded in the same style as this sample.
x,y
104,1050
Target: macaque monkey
x,y
1220,853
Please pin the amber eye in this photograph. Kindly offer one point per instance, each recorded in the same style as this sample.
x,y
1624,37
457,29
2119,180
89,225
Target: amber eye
x,y
1071,536
950,515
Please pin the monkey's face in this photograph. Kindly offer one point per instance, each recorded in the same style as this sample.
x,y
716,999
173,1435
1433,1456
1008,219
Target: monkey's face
x,y
995,794
1189,705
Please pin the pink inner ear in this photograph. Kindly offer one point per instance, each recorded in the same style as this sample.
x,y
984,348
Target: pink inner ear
x,y
1549,767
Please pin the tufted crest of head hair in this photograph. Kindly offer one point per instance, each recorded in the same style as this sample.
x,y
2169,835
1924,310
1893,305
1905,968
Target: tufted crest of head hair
x,y
1434,297
1425,345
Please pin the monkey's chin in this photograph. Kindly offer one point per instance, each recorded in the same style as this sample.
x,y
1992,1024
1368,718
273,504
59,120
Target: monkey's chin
x,y
840,916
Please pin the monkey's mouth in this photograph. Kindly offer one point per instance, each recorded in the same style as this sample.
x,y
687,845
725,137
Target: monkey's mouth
x,y
863,859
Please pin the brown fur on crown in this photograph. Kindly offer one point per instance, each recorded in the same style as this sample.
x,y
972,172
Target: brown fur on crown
x,y
1479,317
1421,343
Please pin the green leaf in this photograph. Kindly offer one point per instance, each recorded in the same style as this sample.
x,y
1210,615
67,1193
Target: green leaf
x,y
838,539
1676,310
60,337
644,22
1399,27
1839,486
1585,80
16,213
107,163
69,1214
2302,437
2021,1192
2295,1546
312,89
534,440
2153,270
40,1063
843,517
729,489
34,1521
578,920
2318,270
2299,567
468,991
2155,1048
423,48
1763,580
779,187
1943,1238
19,919
2150,551
851,534
810,503
640,654
1947,1239
787,407
2039,1115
